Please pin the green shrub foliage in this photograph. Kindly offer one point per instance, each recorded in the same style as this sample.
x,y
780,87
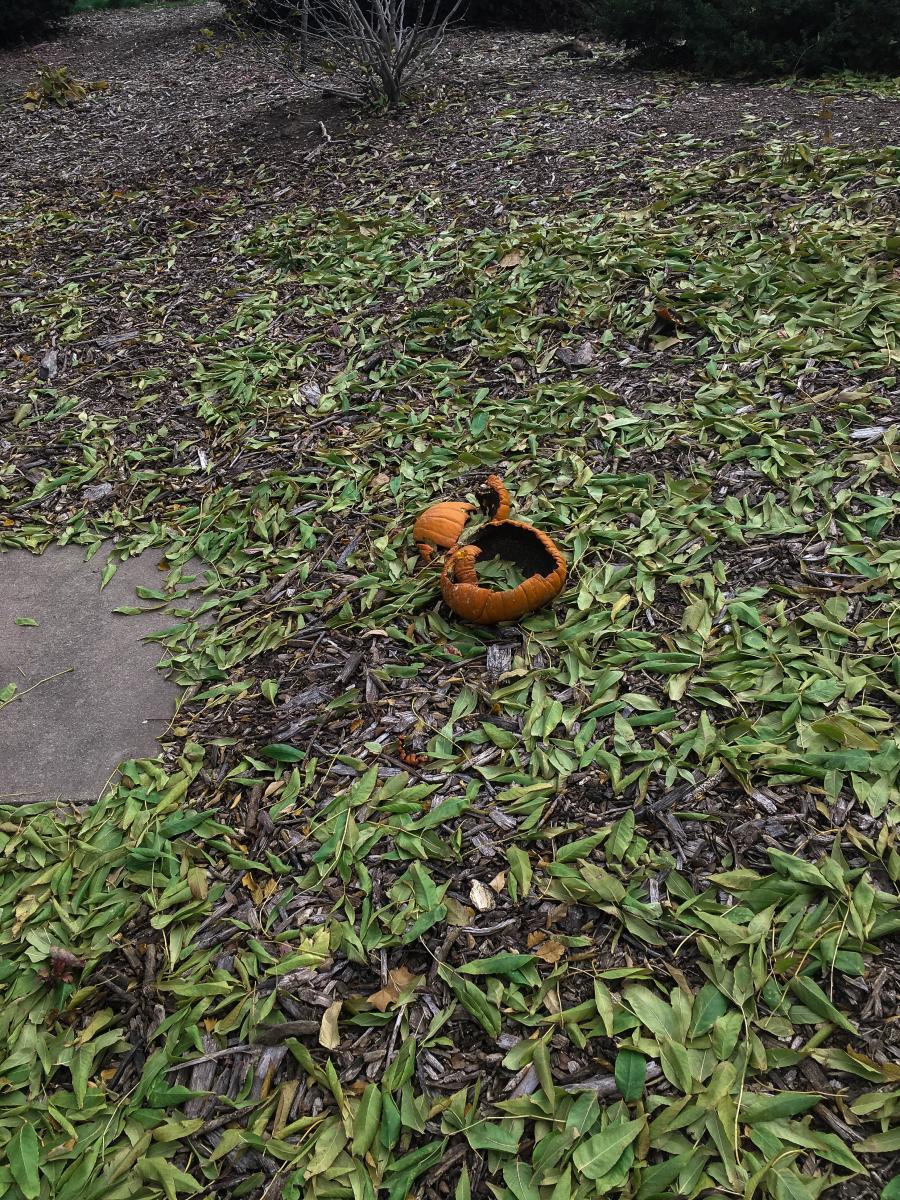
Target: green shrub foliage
x,y
532,14
29,20
723,37
521,14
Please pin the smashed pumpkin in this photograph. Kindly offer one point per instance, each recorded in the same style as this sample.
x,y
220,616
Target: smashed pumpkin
x,y
442,524
535,554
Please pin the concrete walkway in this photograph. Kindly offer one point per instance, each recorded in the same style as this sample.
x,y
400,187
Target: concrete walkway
x,y
96,698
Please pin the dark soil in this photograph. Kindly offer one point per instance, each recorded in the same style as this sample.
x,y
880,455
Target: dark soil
x,y
186,96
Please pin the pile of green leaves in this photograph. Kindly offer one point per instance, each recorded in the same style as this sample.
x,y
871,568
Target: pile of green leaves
x,y
653,1020
54,85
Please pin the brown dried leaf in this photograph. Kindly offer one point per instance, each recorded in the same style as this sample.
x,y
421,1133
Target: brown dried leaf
x,y
550,951
399,979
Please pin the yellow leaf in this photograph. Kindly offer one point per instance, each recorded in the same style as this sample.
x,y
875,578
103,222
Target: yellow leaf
x,y
197,883
258,893
286,1094
329,1034
622,602
458,914
23,912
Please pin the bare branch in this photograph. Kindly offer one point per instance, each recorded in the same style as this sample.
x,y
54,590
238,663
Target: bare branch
x,y
383,42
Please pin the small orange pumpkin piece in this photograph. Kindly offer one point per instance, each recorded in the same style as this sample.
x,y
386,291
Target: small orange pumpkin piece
x,y
441,525
493,498
532,552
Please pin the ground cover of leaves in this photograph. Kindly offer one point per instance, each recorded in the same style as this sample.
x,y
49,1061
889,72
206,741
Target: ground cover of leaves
x,y
628,924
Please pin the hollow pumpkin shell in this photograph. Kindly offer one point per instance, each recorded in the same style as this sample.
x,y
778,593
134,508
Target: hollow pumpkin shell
x,y
441,525
529,548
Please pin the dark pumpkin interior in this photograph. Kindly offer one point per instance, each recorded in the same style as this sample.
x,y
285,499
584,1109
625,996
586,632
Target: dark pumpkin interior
x,y
516,545
488,499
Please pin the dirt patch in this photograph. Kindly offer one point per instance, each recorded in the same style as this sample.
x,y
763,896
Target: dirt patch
x,y
292,125
493,115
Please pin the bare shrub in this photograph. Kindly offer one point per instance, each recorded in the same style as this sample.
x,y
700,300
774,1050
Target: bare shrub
x,y
384,44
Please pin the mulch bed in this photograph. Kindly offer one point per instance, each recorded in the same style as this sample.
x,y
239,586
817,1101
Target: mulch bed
x,y
179,240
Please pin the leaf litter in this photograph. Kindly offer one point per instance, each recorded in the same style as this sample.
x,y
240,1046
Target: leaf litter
x,y
603,903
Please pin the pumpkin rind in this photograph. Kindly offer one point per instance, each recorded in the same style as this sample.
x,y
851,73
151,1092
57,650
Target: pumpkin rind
x,y
494,498
441,525
483,606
